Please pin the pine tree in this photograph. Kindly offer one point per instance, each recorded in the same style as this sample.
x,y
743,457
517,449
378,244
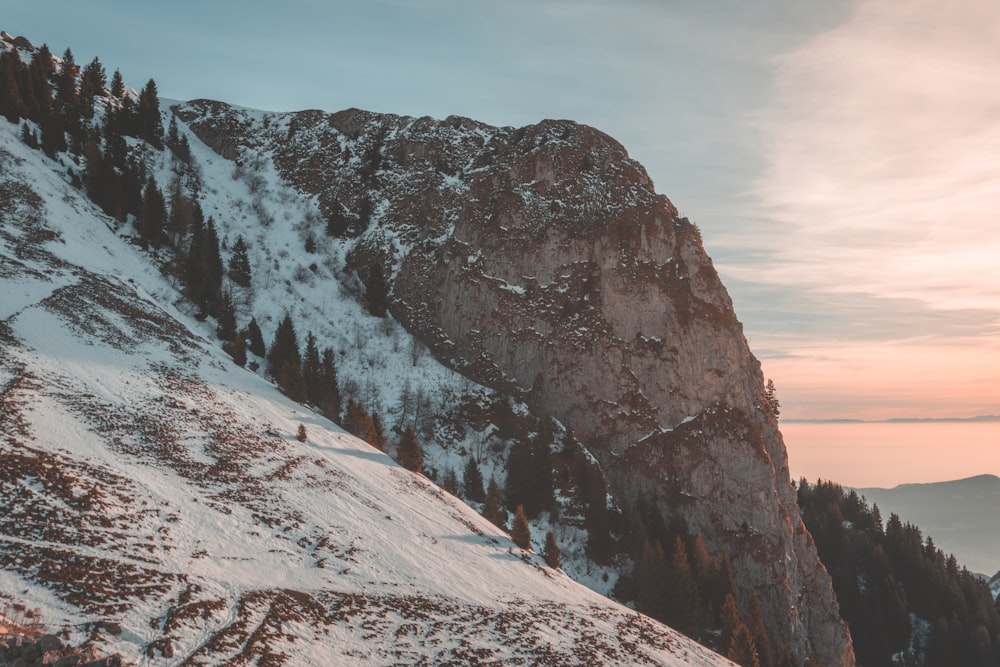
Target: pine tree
x,y
237,349
28,136
226,320
53,134
742,649
117,85
255,339
300,435
182,213
150,123
352,422
650,580
551,553
39,73
151,222
330,402
357,421
472,481
285,347
212,261
450,483
67,93
520,532
529,473
754,620
493,505
682,602
312,371
410,455
239,263
729,619
92,84
378,434
290,380
772,398
12,106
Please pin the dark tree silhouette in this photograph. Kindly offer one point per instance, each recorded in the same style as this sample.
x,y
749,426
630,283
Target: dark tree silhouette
x,y
520,532
472,481
410,454
551,552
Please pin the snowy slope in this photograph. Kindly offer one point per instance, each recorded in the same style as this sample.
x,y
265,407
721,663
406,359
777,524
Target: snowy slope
x,y
155,501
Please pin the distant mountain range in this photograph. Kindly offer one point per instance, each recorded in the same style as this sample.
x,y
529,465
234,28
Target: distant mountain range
x,y
960,516
899,420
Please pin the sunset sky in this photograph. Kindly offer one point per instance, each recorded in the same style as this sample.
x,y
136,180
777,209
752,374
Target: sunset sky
x,y
842,160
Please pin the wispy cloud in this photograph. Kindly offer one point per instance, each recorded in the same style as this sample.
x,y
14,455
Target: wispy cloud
x,y
883,148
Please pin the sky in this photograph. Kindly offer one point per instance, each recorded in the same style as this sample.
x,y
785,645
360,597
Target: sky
x,y
842,160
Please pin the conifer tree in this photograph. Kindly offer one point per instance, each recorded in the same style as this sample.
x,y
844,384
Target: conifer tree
x,y
12,106
312,372
285,347
149,120
529,472
729,619
173,136
378,433
754,620
300,435
520,532
290,380
28,136
410,455
450,483
237,349
151,222
255,339
651,579
681,609
39,73
742,649
239,265
330,402
92,84
226,320
492,505
53,132
551,553
472,481
357,421
117,85
67,93
772,398
182,214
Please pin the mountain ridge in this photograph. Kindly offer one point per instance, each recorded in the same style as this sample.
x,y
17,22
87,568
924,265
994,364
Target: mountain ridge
x,y
447,225
136,459
545,264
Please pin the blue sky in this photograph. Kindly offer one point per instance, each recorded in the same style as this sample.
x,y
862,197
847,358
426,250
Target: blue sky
x,y
842,160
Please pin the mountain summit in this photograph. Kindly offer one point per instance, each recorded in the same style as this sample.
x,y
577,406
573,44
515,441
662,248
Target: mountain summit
x,y
519,304
540,262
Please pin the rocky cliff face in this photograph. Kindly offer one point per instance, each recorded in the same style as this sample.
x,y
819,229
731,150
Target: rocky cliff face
x,y
540,261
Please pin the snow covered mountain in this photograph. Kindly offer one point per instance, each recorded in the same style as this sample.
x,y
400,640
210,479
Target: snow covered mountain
x,y
157,503
520,300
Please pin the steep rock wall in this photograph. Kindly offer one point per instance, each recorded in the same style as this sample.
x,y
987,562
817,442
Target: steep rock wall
x,y
540,260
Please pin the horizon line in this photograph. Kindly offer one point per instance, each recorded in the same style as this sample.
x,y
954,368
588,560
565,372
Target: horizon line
x,y
896,420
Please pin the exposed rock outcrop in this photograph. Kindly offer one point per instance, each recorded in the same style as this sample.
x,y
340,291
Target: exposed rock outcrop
x,y
49,651
541,261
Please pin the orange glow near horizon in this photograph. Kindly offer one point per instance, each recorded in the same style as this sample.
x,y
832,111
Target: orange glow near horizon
x,y
912,379
885,455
